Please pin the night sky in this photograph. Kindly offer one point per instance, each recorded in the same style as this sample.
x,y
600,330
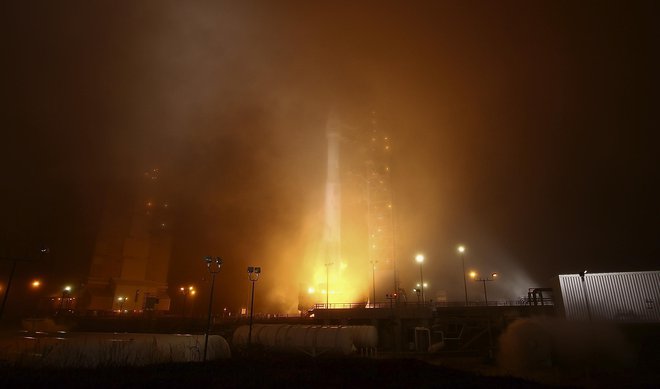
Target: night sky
x,y
524,130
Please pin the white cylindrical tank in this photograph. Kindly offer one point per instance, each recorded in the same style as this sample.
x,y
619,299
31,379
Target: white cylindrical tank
x,y
364,336
129,349
313,340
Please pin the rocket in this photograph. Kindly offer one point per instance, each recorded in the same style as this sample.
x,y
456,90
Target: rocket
x,y
332,227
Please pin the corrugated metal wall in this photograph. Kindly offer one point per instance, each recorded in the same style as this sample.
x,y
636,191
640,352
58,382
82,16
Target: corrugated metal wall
x,y
630,296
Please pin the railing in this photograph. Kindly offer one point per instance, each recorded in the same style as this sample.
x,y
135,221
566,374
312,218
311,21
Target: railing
x,y
438,304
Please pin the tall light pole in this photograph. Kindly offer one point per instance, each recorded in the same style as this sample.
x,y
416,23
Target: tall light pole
x,y
185,292
484,280
213,265
373,281
42,251
66,292
420,259
461,252
327,284
253,275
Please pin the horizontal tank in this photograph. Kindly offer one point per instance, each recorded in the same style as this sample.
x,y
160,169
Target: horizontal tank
x,y
124,349
621,297
364,336
311,340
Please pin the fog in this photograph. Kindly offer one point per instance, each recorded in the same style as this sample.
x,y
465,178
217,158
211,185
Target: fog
x,y
555,350
522,131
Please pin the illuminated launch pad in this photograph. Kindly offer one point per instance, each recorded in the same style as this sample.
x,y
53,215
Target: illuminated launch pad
x,y
334,276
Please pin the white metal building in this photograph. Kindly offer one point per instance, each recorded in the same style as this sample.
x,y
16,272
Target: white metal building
x,y
625,296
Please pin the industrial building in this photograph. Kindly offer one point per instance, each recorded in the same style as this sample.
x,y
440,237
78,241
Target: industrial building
x,y
131,257
620,297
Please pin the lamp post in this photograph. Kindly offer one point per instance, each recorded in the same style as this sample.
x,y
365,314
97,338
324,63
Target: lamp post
x,y
253,276
213,265
461,251
327,284
65,293
42,251
185,292
121,301
391,297
420,259
373,281
484,280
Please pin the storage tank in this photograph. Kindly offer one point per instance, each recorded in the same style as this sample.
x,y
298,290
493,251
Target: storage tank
x,y
129,349
364,336
311,340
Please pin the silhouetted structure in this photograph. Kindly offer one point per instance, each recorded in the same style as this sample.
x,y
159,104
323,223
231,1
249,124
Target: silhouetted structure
x,y
132,253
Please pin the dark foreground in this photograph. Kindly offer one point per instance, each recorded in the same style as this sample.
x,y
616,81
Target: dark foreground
x,y
272,371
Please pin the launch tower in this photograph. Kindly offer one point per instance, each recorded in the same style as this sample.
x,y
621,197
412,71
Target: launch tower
x,y
380,220
132,253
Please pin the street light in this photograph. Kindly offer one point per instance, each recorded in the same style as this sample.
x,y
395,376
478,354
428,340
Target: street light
x,y
418,291
327,284
65,293
253,276
461,251
420,259
213,265
35,285
484,280
185,292
43,250
121,301
373,281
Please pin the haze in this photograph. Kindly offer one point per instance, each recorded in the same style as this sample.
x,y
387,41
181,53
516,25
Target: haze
x,y
525,131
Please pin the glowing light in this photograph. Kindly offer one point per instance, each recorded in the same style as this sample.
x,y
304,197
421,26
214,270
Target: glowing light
x,y
67,288
36,283
473,274
461,249
310,290
419,258
189,290
494,275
